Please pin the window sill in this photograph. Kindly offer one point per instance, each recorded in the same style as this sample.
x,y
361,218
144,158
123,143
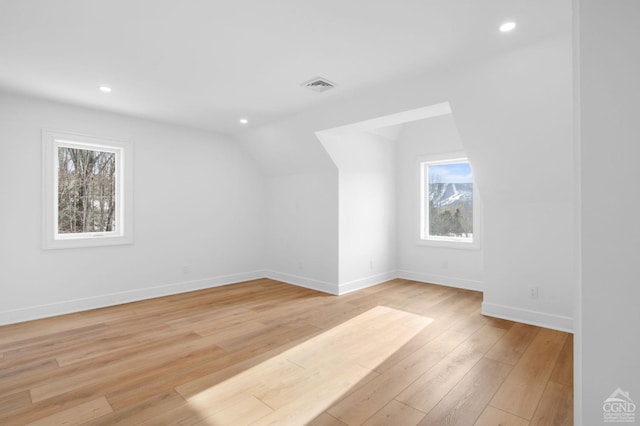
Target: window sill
x,y
456,245
101,241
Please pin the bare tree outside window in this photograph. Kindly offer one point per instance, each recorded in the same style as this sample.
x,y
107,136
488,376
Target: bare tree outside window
x,y
86,190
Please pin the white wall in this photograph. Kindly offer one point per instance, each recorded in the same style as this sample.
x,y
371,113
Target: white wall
x,y
608,347
301,246
448,266
302,229
198,218
513,113
514,116
366,188
522,146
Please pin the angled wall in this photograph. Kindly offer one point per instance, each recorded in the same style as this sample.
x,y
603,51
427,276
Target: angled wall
x,y
301,203
449,266
366,207
514,116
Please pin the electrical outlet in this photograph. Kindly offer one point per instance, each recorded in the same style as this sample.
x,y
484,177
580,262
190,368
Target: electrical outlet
x,y
533,292
371,264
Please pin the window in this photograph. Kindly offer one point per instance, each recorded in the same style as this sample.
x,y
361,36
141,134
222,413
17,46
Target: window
x,y
87,197
448,213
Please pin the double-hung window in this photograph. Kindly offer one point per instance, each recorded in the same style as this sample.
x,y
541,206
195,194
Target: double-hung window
x,y
448,202
87,193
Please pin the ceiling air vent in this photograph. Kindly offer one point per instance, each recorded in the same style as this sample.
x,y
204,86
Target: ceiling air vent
x,y
319,84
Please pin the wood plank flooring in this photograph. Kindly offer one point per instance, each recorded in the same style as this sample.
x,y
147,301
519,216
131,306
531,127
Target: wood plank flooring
x,y
264,352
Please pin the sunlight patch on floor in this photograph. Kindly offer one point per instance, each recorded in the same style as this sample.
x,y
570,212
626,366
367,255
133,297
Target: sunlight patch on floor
x,y
297,385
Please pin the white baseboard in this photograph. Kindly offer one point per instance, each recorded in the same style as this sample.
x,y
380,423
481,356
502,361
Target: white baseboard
x,y
365,282
441,280
323,286
361,283
77,305
540,319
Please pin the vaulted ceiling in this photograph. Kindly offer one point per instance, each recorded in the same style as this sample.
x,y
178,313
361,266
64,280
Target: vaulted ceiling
x,y
206,64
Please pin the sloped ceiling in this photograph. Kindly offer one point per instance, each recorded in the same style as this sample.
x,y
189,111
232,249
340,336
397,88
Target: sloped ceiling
x,y
205,64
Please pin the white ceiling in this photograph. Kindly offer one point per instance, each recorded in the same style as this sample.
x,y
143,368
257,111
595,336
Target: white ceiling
x,y
207,63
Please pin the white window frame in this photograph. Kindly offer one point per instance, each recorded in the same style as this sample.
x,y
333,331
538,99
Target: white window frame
x,y
123,150
423,220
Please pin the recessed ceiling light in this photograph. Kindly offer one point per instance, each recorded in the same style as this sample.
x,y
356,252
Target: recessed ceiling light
x,y
243,121
105,89
507,26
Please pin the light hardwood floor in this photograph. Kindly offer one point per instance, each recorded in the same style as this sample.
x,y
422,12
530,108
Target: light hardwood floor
x,y
264,352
